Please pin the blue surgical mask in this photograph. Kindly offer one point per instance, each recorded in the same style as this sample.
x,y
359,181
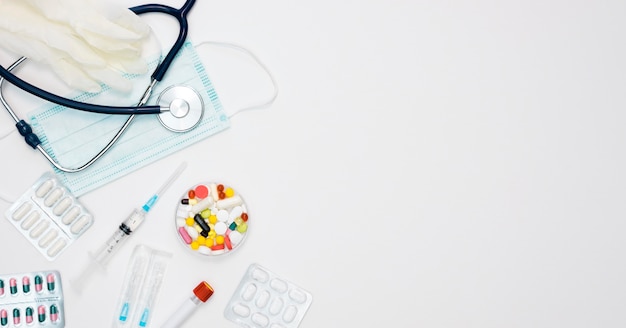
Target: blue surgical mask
x,y
73,137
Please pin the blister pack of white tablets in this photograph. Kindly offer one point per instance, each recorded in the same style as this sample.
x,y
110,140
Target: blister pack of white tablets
x,y
32,298
49,216
265,300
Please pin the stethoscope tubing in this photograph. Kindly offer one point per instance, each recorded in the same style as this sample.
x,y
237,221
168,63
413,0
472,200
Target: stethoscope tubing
x,y
32,139
159,73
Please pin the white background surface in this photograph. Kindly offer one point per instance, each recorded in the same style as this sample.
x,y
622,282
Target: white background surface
x,y
426,164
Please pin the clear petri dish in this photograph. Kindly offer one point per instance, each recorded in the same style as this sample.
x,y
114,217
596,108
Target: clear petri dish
x,y
211,219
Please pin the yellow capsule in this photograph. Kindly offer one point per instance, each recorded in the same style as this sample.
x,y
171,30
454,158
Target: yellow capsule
x,y
212,219
229,192
238,221
190,222
209,242
198,228
195,245
242,227
212,234
219,239
193,201
201,240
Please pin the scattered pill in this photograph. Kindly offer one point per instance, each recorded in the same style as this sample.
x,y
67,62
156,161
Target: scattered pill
x,y
191,194
53,197
220,228
44,188
229,202
183,233
202,191
1,287
62,206
21,211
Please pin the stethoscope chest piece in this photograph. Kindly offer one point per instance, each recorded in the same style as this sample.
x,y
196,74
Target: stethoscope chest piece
x,y
183,108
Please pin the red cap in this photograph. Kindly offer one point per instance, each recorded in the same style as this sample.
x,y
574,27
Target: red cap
x,y
203,291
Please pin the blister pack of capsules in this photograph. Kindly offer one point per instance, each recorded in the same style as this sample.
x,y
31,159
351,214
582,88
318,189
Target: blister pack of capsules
x,y
49,216
265,300
33,298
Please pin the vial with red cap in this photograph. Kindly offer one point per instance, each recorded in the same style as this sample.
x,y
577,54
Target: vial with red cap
x,y
201,294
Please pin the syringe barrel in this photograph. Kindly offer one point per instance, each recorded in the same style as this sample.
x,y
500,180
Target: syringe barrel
x,y
112,244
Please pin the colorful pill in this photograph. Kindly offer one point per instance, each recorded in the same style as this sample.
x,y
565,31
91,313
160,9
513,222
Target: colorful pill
x,y
50,282
54,313
244,216
206,213
29,314
219,240
16,316
1,287
38,284
202,191
4,317
26,285
195,245
242,228
205,227
232,226
217,247
41,313
191,194
13,286
184,201
185,235
227,242
229,192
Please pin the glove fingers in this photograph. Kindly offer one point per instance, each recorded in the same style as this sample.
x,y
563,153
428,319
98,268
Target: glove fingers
x,y
74,77
110,78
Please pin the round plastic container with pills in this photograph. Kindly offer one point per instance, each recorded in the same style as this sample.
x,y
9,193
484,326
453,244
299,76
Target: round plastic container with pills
x,y
211,219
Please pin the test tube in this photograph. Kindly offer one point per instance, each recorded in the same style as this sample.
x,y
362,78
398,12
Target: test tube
x,y
201,294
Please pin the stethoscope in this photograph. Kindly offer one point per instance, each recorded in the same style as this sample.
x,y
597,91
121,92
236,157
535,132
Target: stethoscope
x,y
179,108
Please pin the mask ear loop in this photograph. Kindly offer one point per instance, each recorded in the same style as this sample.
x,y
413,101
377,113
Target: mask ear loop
x,y
261,104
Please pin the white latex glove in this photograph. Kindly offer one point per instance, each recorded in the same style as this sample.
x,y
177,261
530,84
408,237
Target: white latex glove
x,y
85,42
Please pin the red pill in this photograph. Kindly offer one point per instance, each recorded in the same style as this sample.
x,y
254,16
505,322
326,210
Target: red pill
x,y
220,187
202,191
222,195
191,194
244,216
217,247
227,242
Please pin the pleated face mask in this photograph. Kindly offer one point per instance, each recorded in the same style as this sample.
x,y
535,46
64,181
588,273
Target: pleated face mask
x,y
73,137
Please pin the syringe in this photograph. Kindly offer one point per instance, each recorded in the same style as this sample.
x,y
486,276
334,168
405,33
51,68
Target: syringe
x,y
100,259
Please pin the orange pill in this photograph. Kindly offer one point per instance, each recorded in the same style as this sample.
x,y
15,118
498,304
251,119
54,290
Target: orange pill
x,y
244,216
191,194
